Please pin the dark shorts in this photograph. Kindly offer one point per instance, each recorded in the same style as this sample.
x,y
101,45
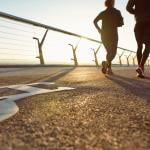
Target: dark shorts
x,y
142,32
110,40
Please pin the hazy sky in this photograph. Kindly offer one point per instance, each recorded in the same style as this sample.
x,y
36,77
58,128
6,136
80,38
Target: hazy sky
x,y
74,16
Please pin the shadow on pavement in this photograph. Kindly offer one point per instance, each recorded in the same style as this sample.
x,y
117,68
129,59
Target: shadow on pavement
x,y
148,78
138,87
60,74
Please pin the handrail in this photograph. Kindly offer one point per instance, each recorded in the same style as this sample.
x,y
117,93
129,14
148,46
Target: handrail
x,y
26,21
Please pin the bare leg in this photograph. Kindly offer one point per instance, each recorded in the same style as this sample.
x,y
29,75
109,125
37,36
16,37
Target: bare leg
x,y
145,55
139,53
111,55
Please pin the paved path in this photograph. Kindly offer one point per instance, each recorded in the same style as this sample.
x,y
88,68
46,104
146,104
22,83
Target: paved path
x,y
102,112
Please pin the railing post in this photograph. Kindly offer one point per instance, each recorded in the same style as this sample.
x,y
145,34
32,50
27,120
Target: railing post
x,y
128,63
148,62
134,64
74,49
120,61
40,44
95,55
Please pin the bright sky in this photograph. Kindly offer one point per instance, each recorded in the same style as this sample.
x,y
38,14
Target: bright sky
x,y
74,16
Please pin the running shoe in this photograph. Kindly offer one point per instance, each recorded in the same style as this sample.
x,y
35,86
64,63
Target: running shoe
x,y
140,72
109,71
104,67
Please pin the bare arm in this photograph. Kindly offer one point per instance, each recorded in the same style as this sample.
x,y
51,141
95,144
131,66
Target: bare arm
x,y
96,20
121,21
130,6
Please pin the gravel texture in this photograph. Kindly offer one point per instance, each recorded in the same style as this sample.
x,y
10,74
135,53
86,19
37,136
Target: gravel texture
x,y
102,113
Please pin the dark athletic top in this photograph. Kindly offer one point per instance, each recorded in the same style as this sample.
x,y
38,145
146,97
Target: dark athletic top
x,y
140,8
111,18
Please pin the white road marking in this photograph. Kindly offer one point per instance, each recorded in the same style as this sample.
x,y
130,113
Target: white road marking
x,y
8,106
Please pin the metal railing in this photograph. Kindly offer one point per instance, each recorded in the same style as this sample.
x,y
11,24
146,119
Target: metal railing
x,y
17,35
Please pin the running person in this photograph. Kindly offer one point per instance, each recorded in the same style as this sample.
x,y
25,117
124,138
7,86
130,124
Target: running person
x,y
111,19
141,10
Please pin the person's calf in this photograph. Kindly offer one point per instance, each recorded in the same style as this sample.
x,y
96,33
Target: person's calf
x,y
139,53
145,55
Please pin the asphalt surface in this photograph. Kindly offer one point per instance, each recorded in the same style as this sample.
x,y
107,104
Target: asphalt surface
x,y
102,113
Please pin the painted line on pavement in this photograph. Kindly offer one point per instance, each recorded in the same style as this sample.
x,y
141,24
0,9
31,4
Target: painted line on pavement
x,y
8,106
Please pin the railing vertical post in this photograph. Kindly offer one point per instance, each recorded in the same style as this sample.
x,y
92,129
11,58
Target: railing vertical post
x,y
148,62
134,64
40,44
128,63
74,49
95,55
120,61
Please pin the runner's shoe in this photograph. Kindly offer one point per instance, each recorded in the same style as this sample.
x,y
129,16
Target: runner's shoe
x,y
104,67
140,72
142,67
109,71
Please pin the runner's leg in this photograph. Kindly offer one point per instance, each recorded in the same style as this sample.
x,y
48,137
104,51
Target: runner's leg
x,y
138,30
139,53
145,54
146,40
111,53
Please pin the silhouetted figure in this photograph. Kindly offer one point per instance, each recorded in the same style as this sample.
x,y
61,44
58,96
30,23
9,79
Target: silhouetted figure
x,y
111,19
141,10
